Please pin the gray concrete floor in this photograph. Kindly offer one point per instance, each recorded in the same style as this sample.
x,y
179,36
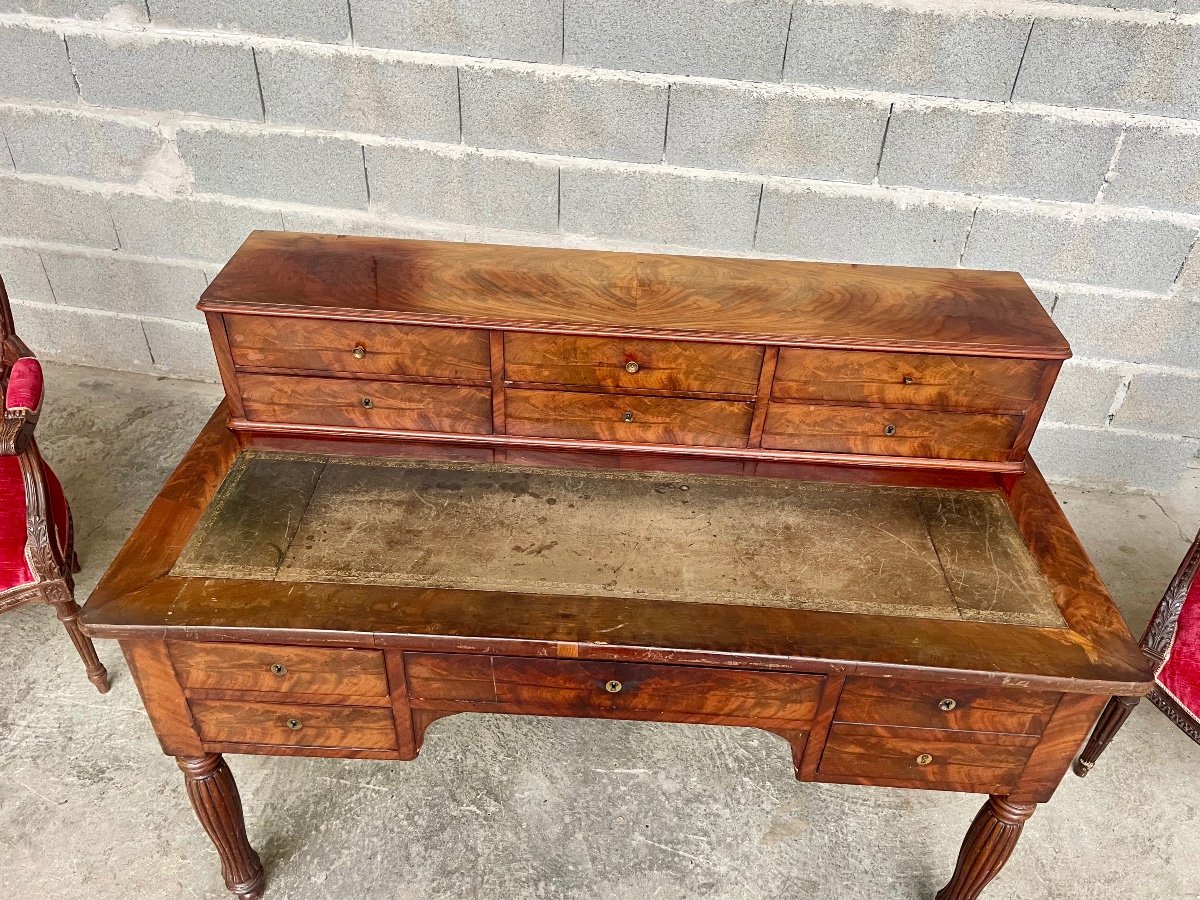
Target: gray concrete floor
x,y
515,807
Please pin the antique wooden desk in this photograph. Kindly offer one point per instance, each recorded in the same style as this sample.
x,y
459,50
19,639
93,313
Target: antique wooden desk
x,y
452,478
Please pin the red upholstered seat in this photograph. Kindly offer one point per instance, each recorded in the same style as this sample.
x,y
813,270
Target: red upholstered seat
x,y
14,569
1180,674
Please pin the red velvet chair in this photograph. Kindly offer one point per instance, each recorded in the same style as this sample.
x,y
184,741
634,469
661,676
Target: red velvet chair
x,y
37,554
1172,641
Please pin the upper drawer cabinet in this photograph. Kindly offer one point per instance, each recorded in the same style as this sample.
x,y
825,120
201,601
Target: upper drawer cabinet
x,y
632,365
366,348
279,669
908,379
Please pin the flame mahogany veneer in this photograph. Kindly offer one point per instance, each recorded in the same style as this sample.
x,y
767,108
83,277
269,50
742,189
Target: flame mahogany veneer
x,y
863,375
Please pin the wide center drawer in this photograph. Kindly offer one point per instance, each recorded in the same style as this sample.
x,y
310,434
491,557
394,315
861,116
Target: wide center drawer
x,y
633,419
631,364
279,669
294,725
349,402
366,348
573,687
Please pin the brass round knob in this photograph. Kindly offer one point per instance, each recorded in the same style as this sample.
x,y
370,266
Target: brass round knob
x,y
613,687
279,669
889,429
632,367
294,724
359,351
908,379
627,417
368,403
924,759
947,704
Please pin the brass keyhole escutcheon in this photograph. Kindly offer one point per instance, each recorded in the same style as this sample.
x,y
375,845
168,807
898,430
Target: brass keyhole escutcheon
x,y
908,379
632,367
613,687
294,724
889,429
924,759
368,403
627,417
279,669
947,705
359,351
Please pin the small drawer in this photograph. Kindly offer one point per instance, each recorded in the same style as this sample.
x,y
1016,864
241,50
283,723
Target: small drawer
x,y
294,725
889,432
348,402
908,379
631,419
923,704
279,669
632,365
360,348
925,757
571,687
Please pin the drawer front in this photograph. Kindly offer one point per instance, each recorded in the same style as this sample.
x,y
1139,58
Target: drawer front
x,y
641,420
889,432
904,379
924,757
361,348
571,687
632,364
367,404
292,670
921,704
294,725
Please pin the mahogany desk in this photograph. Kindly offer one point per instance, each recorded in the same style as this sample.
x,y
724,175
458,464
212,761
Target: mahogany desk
x,y
451,478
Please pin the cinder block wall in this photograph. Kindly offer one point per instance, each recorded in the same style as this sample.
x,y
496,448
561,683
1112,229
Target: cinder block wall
x,y
142,141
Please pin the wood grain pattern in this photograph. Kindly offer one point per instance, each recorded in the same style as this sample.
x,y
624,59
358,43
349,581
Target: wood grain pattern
x,y
214,797
240,722
322,345
150,664
608,417
887,701
339,401
989,843
860,429
292,670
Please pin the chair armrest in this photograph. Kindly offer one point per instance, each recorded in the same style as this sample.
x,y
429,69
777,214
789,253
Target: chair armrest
x,y
22,403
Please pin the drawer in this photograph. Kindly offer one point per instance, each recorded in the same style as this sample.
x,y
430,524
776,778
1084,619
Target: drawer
x,y
925,757
889,432
573,687
632,419
291,670
294,725
908,379
632,365
367,404
361,348
923,704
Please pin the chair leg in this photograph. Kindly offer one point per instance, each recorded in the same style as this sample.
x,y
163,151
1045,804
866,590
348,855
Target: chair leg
x,y
76,568
1110,722
59,596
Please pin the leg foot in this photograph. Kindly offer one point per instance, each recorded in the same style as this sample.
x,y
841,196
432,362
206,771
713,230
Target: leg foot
x,y
68,613
214,796
986,848
1110,722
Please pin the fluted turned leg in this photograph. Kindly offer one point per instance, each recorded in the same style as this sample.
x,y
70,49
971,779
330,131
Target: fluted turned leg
x,y
986,848
67,610
214,796
1110,722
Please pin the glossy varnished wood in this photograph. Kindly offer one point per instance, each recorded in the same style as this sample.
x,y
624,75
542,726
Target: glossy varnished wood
x,y
924,704
294,724
280,669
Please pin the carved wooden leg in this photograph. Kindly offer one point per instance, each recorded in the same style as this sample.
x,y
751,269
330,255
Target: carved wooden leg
x,y
59,596
1110,723
986,848
214,796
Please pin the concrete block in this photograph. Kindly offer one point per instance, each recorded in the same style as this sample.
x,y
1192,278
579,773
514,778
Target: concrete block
x,y
1187,285
181,349
659,208
327,221
1159,5
327,21
528,30
34,210
1111,251
740,39
289,167
1004,152
34,64
141,72
1083,394
84,337
773,132
1135,66
54,142
342,91
1109,459
1156,331
23,275
810,224
939,52
117,11
117,283
467,187
1159,168
186,229
1168,403
573,115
